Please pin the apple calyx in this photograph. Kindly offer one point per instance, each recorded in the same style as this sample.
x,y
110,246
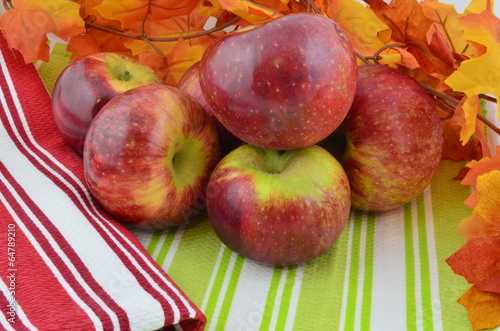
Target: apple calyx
x,y
185,162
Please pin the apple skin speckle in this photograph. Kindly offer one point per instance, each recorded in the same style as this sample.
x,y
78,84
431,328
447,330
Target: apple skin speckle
x,y
394,139
284,71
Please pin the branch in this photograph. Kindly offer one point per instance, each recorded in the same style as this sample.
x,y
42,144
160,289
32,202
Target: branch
x,y
454,102
160,39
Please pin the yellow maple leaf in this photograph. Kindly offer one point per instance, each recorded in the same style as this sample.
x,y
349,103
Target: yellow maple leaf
x,y
478,6
479,75
26,26
255,12
465,116
488,196
483,307
360,24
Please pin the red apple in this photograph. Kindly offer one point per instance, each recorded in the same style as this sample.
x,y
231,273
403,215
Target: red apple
x,y
87,84
394,139
148,155
282,85
278,208
190,82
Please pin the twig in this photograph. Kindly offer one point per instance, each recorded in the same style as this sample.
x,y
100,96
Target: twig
x,y
162,39
7,4
449,99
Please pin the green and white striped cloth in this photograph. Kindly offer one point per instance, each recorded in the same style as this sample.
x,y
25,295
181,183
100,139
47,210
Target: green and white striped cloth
x,y
387,271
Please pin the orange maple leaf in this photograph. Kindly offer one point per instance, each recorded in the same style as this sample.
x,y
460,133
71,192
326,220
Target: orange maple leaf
x,y
26,26
181,58
478,261
130,12
421,42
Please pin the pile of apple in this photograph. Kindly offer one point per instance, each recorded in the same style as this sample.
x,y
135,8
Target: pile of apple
x,y
242,133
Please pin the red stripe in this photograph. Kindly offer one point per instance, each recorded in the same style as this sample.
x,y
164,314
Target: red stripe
x,y
54,307
87,205
40,125
55,258
12,317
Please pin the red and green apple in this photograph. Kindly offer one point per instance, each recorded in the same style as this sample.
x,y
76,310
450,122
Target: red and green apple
x,y
190,82
148,155
278,207
281,85
86,84
394,139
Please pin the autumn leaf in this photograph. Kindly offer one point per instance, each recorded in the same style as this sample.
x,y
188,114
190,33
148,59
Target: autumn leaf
x,y
26,26
181,58
406,19
465,116
209,8
481,167
256,12
447,22
483,307
420,43
360,24
488,196
472,227
479,75
129,12
82,44
454,149
478,260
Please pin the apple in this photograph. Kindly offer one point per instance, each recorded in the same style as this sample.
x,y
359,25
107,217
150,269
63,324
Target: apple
x,y
86,84
285,84
148,155
394,139
278,207
190,82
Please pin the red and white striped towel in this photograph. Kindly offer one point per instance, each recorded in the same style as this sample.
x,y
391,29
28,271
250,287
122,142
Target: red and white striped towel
x,y
64,263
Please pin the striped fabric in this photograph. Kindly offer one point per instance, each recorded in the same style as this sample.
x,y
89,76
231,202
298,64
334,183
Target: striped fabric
x,y
65,265
386,272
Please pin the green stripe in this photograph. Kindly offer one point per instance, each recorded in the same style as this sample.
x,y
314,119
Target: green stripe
x,y
165,247
448,207
155,238
217,285
231,290
286,298
411,301
425,272
368,280
323,282
195,260
271,299
352,292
